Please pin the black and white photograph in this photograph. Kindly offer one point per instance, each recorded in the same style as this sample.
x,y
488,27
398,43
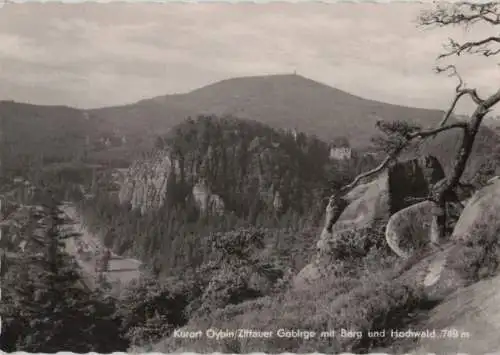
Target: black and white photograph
x,y
308,177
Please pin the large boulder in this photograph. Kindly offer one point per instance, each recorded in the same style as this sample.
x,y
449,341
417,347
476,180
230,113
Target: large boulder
x,y
372,202
392,191
432,270
409,229
483,208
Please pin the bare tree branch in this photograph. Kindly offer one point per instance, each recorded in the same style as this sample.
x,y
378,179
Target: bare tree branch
x,y
369,173
460,92
466,147
408,138
460,88
465,14
472,47
491,101
461,13
433,132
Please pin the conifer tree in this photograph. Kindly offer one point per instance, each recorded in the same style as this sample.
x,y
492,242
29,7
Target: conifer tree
x,y
46,306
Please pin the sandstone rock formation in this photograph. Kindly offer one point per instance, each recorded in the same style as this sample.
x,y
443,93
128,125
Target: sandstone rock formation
x,y
387,194
471,316
442,272
430,269
373,201
206,201
482,208
246,167
468,311
145,184
409,228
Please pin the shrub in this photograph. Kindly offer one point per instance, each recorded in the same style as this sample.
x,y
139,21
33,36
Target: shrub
x,y
357,243
479,254
358,297
149,310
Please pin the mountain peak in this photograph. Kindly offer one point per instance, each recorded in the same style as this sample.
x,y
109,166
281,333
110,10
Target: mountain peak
x,y
272,79
281,101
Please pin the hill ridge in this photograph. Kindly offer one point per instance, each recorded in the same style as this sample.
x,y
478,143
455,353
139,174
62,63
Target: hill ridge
x,y
282,101
263,78
304,79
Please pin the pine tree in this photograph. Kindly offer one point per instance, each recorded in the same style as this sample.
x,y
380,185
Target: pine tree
x,y
46,305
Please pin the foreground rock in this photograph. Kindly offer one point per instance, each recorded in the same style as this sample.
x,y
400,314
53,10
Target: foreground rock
x,y
482,209
468,319
409,229
433,271
475,235
467,322
371,203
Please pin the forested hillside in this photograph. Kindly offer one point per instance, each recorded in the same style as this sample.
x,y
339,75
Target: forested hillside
x,y
263,177
115,135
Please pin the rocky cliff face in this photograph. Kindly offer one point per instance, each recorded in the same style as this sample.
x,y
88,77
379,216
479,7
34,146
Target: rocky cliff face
x,y
228,165
145,184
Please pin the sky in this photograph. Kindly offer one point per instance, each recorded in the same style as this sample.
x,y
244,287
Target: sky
x,y
91,55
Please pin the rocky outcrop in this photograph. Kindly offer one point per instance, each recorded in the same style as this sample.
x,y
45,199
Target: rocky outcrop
x,y
483,209
145,184
206,201
444,271
431,270
149,181
440,272
468,310
471,316
246,168
387,194
375,201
